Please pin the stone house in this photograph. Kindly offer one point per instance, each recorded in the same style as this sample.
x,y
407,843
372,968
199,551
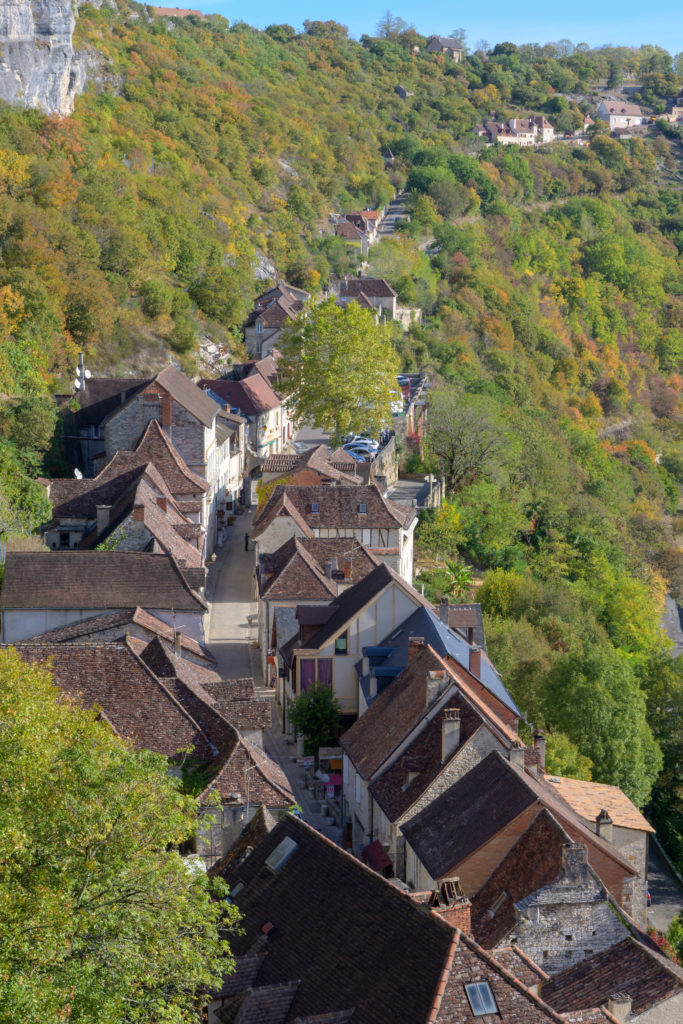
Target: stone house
x,y
332,636
619,114
133,622
607,811
449,47
632,979
273,311
363,513
303,571
45,590
133,508
426,729
325,939
372,292
268,423
545,899
353,236
317,465
472,826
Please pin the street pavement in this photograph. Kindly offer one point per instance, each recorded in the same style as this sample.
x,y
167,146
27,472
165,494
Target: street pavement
x,y
672,623
230,590
665,889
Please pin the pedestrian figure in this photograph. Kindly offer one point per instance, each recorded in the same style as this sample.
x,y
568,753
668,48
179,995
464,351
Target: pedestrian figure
x,y
246,542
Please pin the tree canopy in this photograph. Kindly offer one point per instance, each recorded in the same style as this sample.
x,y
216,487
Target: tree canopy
x,y
103,920
339,368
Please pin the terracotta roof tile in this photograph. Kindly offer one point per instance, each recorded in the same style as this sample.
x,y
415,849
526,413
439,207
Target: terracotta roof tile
x,y
376,287
139,706
186,393
250,772
267,1004
156,447
589,798
629,967
95,579
252,396
339,507
296,571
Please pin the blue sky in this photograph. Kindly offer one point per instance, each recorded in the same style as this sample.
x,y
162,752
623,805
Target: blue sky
x,y
627,24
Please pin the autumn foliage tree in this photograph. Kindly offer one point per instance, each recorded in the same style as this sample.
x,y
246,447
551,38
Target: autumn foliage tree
x,y
102,919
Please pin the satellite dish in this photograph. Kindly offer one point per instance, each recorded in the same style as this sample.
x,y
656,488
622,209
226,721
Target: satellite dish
x,y
78,474
88,374
77,384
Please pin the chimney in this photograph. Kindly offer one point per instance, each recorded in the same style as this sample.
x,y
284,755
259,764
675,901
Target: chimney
x,y
451,904
539,744
166,410
619,1005
177,649
162,503
328,569
365,665
138,513
415,645
347,568
443,610
517,755
603,826
450,732
475,662
574,861
437,680
103,513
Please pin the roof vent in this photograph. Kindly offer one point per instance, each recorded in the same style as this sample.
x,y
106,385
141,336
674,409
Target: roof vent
x,y
282,852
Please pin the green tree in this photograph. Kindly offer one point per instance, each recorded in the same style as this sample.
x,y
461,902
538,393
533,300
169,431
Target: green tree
x,y
316,715
339,367
562,757
439,531
594,697
103,920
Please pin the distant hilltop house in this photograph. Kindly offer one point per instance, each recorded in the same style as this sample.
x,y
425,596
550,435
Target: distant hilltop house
x,y
359,228
404,93
272,311
519,131
619,114
175,12
450,47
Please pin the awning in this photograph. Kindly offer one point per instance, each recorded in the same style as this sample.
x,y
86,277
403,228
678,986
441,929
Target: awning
x,y
376,857
334,778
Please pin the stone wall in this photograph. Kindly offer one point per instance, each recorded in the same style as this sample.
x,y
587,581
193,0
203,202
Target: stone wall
x,y
385,463
558,936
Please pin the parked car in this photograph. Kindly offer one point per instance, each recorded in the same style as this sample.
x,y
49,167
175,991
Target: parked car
x,y
355,455
361,454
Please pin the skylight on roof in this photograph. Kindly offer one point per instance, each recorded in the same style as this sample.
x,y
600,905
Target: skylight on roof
x,y
282,852
481,998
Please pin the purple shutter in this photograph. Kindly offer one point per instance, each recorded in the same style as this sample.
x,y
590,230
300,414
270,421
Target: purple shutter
x,y
325,671
307,674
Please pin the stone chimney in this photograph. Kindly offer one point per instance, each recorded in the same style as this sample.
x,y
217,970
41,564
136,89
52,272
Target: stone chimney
x,y
517,755
443,610
415,645
177,648
604,826
450,732
619,1005
450,903
437,680
539,744
574,862
475,662
138,513
166,410
162,503
103,513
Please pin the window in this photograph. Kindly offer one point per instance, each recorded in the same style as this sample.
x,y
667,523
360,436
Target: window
x,y
315,508
64,540
282,852
259,327
357,789
481,998
362,509
341,644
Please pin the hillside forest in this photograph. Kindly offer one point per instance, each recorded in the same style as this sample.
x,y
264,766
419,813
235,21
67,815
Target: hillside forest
x,y
204,154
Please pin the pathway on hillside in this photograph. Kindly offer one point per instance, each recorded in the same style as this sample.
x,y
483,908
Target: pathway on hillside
x,y
665,889
230,592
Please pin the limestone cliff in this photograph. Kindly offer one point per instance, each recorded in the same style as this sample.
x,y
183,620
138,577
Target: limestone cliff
x,y
38,65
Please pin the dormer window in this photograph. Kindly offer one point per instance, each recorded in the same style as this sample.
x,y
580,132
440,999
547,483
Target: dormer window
x,y
362,509
315,508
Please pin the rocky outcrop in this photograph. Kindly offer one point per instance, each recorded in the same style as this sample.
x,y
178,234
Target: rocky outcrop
x,y
38,65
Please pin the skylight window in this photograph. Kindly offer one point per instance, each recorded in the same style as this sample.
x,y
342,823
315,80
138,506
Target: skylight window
x,y
481,998
282,852
362,509
314,506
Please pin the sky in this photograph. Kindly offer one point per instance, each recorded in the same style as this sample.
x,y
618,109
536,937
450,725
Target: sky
x,y
537,21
